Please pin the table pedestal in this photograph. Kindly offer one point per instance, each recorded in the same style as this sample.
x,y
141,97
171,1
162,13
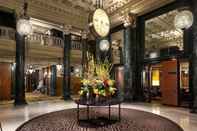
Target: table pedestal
x,y
99,121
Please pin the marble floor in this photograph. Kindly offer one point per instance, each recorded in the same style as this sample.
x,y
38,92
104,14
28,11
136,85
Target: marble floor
x,y
11,117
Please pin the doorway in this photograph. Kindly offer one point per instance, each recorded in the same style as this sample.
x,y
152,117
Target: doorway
x,y
161,82
151,82
184,84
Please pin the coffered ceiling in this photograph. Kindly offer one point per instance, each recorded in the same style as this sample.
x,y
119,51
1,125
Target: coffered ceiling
x,y
160,32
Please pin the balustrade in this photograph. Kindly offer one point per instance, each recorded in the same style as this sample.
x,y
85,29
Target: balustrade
x,y
42,39
76,45
46,40
7,33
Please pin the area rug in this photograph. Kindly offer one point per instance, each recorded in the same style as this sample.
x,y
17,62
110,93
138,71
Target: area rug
x,y
131,120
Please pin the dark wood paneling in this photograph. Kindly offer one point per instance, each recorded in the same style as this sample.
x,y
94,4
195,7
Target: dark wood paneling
x,y
59,86
75,85
5,81
169,81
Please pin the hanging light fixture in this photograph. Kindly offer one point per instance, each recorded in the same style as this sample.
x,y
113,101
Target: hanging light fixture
x,y
183,20
24,26
104,45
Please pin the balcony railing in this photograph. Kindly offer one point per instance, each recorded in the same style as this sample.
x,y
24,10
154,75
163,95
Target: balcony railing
x,y
76,45
42,39
46,40
7,33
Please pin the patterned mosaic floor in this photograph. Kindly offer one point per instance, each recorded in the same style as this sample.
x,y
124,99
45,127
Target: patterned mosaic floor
x,y
132,120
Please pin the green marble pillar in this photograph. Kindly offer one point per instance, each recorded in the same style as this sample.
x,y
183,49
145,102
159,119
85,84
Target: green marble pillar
x,y
127,52
193,60
20,73
133,63
66,66
84,53
53,80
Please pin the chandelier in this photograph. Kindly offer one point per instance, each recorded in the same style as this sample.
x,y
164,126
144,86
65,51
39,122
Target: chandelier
x,y
24,26
183,20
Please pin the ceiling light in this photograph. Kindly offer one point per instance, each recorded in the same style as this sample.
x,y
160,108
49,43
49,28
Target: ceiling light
x,y
104,45
24,26
184,19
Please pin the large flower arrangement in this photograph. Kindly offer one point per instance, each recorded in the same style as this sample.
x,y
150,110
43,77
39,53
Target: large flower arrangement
x,y
97,81
98,87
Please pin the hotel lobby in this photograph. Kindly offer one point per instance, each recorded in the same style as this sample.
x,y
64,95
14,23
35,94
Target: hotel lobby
x,y
106,65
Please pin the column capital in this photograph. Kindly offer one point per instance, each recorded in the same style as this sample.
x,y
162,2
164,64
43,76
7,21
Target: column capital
x,y
67,29
129,20
84,34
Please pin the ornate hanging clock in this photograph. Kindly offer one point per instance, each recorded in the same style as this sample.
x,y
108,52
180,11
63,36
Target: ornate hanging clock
x,y
99,23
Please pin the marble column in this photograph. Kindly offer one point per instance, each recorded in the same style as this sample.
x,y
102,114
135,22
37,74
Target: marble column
x,y
53,80
193,60
13,73
139,58
66,66
84,52
128,89
133,63
20,73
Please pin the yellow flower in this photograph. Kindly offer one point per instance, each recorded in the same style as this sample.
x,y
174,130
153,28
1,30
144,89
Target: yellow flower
x,y
85,82
112,90
96,91
110,82
81,92
99,81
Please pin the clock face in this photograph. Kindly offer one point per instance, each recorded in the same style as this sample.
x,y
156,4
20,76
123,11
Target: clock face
x,y
101,22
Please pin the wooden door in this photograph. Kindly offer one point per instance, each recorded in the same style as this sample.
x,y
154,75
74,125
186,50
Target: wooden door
x,y
169,81
5,81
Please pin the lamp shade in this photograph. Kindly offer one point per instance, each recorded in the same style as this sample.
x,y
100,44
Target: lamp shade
x,y
24,27
104,45
184,19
